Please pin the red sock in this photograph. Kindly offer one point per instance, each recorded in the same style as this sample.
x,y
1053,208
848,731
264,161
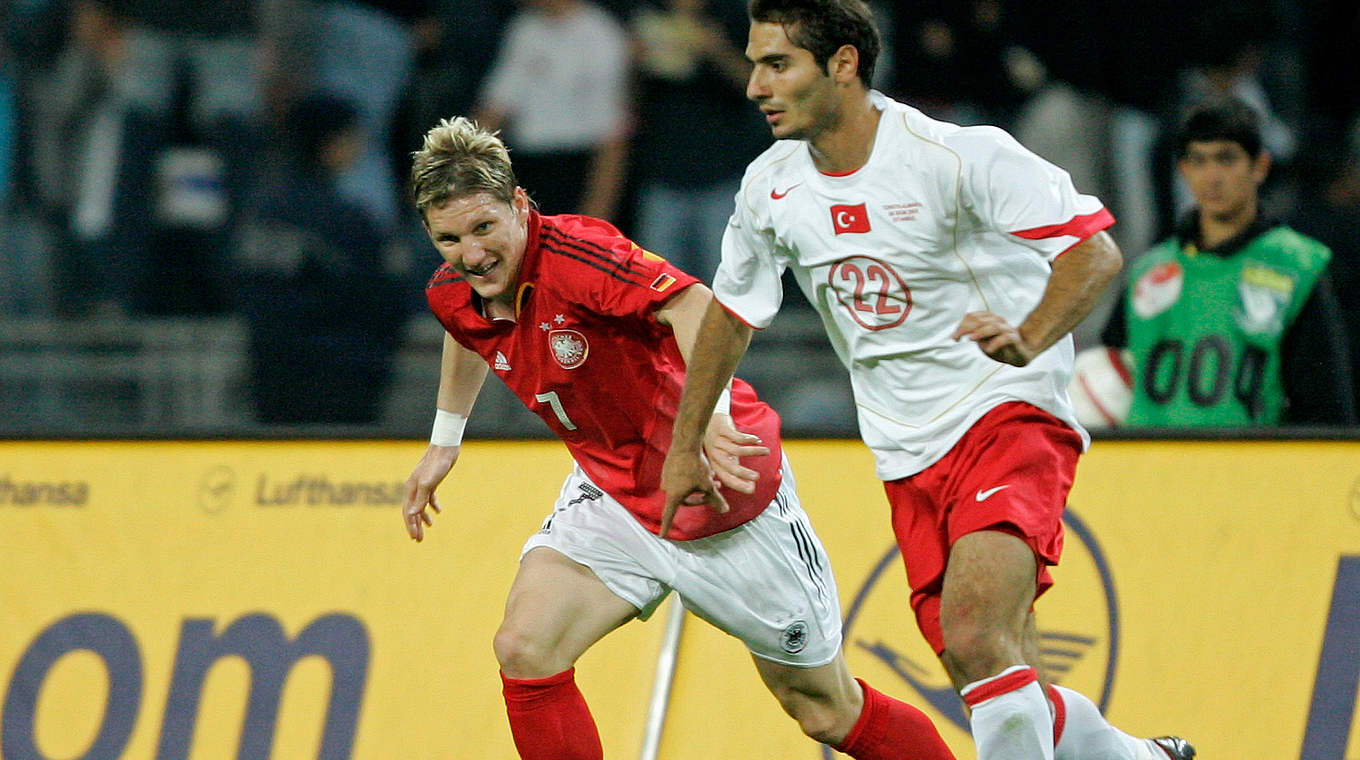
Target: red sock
x,y
888,730
549,718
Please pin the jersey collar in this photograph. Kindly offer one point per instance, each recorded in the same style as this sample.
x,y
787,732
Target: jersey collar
x,y
1188,231
528,267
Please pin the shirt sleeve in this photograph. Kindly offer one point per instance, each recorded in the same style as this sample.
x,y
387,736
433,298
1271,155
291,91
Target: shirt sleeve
x,y
1116,332
1017,193
1316,367
748,281
623,279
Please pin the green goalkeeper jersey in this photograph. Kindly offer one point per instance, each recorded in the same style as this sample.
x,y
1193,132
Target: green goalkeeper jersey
x,y
1205,330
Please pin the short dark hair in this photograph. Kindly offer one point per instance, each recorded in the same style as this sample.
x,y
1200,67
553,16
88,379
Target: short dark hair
x,y
1220,118
821,27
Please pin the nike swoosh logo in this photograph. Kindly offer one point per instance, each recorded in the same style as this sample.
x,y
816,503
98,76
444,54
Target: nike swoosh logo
x,y
985,495
777,195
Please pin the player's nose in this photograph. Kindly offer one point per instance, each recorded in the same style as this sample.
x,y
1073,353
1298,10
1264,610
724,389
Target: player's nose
x,y
471,254
756,88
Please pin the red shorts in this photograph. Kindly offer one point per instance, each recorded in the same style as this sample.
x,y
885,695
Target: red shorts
x,y
1010,472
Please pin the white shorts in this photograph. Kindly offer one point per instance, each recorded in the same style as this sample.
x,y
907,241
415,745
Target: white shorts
x,y
767,582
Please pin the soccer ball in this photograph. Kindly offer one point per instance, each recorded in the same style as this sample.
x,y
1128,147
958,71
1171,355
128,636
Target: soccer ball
x,y
1101,387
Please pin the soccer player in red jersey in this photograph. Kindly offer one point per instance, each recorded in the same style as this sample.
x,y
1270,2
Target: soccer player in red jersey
x,y
592,333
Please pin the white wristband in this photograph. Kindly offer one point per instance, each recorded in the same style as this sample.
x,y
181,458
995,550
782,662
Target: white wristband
x,y
724,405
448,428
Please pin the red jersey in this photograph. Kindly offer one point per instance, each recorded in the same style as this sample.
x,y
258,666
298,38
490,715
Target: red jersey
x,y
588,356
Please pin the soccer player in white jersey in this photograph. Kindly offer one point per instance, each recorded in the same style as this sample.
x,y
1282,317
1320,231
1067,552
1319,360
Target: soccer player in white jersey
x,y
949,265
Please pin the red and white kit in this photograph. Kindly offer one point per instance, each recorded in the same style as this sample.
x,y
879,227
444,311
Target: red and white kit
x,y
588,356
941,221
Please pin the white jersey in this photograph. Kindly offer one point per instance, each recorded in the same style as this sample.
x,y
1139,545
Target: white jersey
x,y
941,221
561,79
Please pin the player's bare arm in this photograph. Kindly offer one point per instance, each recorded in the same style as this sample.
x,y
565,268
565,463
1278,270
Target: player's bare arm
x,y
461,374
723,444
686,477
1080,276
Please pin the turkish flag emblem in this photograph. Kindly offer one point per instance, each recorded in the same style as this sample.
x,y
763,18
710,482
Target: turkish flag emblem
x,y
850,218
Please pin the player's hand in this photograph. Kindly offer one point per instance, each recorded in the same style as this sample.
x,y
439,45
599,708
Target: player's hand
x,y
996,337
687,480
418,493
725,446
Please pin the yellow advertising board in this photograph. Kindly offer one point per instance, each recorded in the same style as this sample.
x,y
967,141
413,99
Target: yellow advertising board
x,y
213,600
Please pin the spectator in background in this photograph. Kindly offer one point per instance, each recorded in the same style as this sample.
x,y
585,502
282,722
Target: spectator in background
x,y
1232,321
9,140
366,51
691,86
324,314
9,113
213,52
72,130
1231,39
960,63
449,71
558,88
1333,217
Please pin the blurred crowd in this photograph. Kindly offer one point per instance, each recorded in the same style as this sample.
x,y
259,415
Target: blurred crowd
x,y
202,157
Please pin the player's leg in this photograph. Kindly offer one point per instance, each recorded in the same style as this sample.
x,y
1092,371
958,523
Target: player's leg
x,y
989,585
769,583
1004,530
1081,732
556,610
581,576
849,715
977,530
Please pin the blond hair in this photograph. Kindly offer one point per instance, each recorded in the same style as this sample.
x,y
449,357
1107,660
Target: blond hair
x,y
459,159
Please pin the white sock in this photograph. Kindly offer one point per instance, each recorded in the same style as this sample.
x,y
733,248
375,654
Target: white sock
x,y
1086,735
1010,718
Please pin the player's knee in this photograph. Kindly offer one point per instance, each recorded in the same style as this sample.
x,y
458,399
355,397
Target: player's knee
x,y
521,654
975,651
821,716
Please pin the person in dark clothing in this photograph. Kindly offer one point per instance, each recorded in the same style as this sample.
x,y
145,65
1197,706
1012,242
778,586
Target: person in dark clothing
x,y
1333,216
691,84
324,315
191,75
1232,321
366,51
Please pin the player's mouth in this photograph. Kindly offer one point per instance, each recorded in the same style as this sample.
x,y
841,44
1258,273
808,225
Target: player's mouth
x,y
772,117
481,271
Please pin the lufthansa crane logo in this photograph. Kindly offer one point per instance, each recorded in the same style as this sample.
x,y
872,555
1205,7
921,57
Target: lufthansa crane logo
x,y
1078,623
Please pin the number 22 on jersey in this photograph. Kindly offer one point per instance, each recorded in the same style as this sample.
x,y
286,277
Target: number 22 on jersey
x,y
871,290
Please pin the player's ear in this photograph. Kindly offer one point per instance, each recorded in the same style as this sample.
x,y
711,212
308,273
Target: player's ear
x,y
844,64
1260,166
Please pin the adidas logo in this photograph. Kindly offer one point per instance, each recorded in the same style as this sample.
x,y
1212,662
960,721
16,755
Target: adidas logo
x,y
502,365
